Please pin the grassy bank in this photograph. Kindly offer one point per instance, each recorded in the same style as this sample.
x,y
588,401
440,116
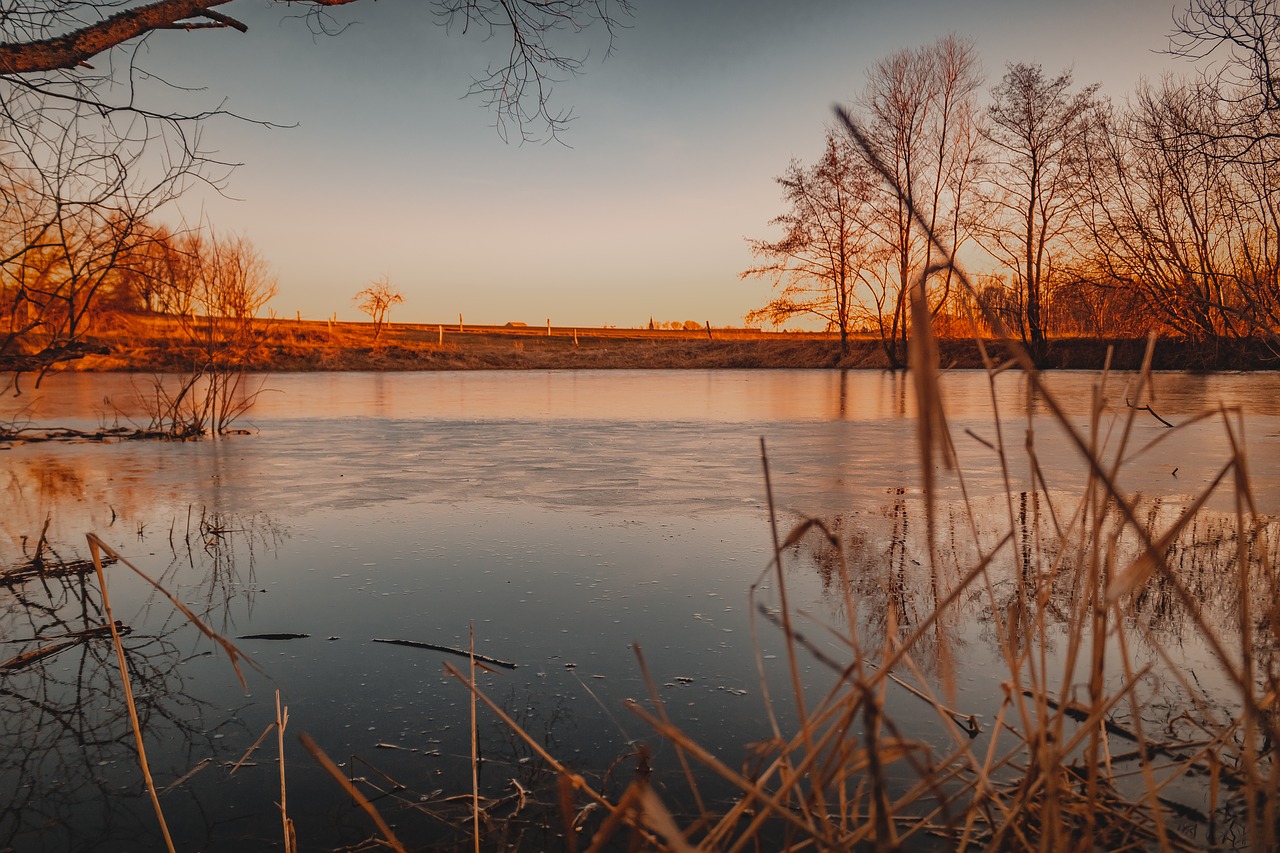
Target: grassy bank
x,y
159,344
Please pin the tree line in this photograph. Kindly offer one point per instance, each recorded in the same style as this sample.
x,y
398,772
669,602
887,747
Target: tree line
x,y
93,151
1084,217
67,269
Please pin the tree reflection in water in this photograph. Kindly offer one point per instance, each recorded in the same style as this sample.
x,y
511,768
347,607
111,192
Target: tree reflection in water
x,y
68,761
1022,621
886,551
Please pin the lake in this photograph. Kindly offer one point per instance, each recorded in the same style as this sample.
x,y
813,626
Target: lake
x,y
562,516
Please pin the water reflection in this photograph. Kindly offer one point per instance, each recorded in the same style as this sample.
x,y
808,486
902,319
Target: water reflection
x,y
66,746
567,515
1033,608
77,399
215,562
898,584
68,763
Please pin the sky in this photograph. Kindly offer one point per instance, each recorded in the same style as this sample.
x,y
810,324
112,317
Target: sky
x,y
379,166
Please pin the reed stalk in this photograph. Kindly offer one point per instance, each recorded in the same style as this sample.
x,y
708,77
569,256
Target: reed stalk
x,y
286,824
475,742
95,549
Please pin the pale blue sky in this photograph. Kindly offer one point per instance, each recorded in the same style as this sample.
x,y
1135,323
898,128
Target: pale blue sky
x,y
678,137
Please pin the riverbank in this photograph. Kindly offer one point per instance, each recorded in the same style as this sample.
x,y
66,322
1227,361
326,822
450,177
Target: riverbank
x,y
158,344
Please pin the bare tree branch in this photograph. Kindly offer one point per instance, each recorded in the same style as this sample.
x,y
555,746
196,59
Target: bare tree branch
x,y
80,45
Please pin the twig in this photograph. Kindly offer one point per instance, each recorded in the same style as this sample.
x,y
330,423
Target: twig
x,y
475,741
1147,408
25,659
290,835
505,664
332,769
257,743
200,765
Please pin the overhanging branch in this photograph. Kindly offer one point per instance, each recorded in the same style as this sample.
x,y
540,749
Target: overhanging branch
x,y
79,46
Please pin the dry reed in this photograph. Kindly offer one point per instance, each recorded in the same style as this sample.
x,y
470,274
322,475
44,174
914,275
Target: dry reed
x,y
286,825
95,548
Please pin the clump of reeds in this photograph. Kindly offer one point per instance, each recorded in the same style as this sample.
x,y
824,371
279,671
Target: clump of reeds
x,y
1078,751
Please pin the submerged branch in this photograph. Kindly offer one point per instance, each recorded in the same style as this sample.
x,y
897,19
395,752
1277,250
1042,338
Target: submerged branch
x,y
449,650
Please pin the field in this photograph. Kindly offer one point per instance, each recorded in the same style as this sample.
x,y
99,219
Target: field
x,y
158,343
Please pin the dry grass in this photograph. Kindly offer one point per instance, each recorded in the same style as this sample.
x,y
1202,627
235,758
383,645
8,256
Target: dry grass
x,y
157,344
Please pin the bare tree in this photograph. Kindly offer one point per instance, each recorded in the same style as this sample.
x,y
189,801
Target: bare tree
x,y
77,187
377,300
1191,231
1038,130
156,274
1238,44
820,260
231,285
920,118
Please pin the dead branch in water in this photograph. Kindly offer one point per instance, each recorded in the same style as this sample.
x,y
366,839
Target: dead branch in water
x,y
26,659
449,650
1147,408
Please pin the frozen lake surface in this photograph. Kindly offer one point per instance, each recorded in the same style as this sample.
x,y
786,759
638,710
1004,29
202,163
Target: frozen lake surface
x,y
564,515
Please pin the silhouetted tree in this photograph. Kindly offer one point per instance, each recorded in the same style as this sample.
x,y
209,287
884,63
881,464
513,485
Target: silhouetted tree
x,y
1240,42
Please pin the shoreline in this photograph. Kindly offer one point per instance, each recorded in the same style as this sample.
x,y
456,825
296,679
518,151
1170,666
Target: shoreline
x,y
309,346
161,344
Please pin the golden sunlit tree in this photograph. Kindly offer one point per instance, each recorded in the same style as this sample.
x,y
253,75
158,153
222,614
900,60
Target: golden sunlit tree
x,y
72,210
377,300
918,112
229,285
1038,129
1176,219
818,264
155,275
